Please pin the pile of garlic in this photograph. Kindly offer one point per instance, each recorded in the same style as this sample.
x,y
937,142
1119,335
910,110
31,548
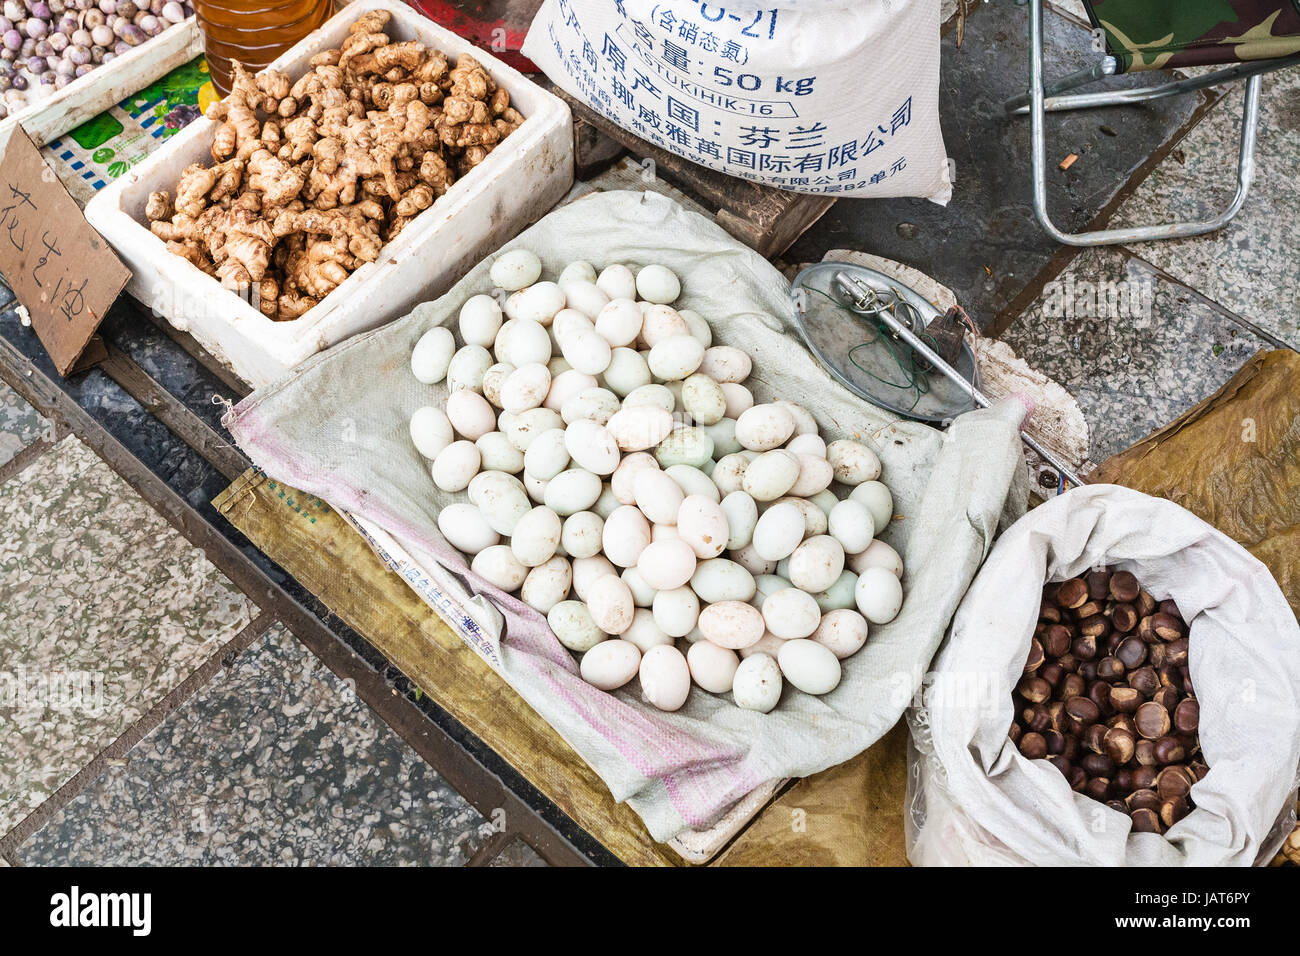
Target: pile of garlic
x,y
618,450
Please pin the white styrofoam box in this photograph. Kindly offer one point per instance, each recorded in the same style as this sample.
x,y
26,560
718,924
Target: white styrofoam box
x,y
102,87
528,173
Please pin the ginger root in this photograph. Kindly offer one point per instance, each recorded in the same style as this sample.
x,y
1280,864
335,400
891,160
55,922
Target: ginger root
x,y
311,177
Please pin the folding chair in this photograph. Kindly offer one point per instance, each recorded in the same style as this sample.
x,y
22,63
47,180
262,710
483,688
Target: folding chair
x,y
1258,36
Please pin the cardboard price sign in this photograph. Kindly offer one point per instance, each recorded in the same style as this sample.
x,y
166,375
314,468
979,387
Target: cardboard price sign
x,y
57,265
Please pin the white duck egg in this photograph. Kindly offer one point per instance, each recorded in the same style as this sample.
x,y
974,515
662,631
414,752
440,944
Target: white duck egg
x,y
757,683
815,475
731,624
713,668
547,455
751,561
842,631
571,491
809,666
764,427
466,529
586,351
610,664
431,431
657,396
719,579
770,475
729,473
804,423
644,632
739,400
879,595
619,322
571,623
523,429
617,282
878,555
660,322
578,271
693,481
536,536
547,584
665,565
623,481
698,326
525,388
807,444
676,357
878,499
540,301
610,602
467,368
742,517
520,342
704,400
432,355
676,611
816,564
627,371
480,320
470,414
497,454
582,533
702,524
723,434
853,462
493,379
685,446
657,495
638,427
498,565
791,614
852,525
587,571
642,594
591,404
567,385
658,284
840,594
503,501
625,535
592,446
726,364
585,297
665,678
456,465
515,269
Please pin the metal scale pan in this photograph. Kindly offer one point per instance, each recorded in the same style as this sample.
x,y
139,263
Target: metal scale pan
x,y
841,337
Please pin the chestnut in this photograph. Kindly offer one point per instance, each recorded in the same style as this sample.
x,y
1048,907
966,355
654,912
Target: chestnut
x,y
1144,680
1033,746
1084,647
1166,626
1110,668
1143,799
1146,821
1126,700
1094,738
1056,640
1131,652
1144,752
1173,810
1095,625
1035,718
1170,750
1034,689
1072,685
1097,765
1174,781
1124,586
1124,618
1072,593
1036,657
1187,716
1178,652
1145,603
1098,788
1119,745
1144,778
1152,720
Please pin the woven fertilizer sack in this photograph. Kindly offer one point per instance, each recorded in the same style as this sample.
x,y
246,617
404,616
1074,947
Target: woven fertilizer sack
x,y
974,799
337,427
815,96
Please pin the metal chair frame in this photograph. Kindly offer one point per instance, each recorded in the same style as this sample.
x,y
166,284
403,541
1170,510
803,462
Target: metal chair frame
x,y
1047,98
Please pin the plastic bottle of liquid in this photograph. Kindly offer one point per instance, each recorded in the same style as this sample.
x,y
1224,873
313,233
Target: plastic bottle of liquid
x,y
254,32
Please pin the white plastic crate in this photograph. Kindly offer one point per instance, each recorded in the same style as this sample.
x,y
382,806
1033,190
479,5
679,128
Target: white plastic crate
x,y
519,181
87,97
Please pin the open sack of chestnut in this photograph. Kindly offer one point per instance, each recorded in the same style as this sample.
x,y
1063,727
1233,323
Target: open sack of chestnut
x,y
1120,686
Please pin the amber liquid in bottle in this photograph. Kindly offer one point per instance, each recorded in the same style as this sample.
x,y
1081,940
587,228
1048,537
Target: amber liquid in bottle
x,y
254,32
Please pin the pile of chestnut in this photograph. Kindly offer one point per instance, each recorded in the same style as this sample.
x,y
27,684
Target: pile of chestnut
x,y
1107,698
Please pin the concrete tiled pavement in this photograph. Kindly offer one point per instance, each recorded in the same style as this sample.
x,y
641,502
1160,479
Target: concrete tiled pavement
x,y
262,755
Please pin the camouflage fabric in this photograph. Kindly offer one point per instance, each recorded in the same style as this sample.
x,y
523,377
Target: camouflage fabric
x,y
1163,34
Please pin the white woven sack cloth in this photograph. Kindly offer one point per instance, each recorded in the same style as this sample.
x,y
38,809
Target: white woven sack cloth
x,y
974,799
836,97
336,427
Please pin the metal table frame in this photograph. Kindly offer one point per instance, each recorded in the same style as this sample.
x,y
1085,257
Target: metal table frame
x,y
186,406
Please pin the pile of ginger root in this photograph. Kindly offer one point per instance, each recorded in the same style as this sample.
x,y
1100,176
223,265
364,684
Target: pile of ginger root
x,y
311,178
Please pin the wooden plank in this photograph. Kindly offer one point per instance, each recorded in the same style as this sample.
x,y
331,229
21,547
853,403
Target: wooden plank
x,y
314,544
766,219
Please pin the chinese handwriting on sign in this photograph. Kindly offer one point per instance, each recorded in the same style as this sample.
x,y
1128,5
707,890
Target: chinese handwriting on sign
x,y
49,273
